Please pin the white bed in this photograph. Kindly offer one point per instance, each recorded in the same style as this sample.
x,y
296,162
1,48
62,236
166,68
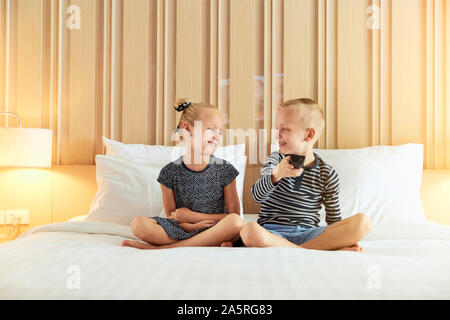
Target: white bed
x,y
404,256
85,260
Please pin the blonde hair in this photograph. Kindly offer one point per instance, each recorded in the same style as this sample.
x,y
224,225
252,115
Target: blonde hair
x,y
191,113
311,114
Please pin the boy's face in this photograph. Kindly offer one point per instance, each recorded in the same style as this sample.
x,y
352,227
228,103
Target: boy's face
x,y
290,131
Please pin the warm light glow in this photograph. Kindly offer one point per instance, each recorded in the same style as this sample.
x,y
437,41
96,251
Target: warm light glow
x,y
25,147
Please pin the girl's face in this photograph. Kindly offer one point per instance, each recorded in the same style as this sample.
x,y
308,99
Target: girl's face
x,y
206,134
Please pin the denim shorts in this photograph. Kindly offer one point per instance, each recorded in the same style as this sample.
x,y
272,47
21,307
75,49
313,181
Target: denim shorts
x,y
294,234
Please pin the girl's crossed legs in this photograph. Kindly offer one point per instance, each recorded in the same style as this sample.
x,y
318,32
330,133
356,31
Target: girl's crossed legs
x,y
147,229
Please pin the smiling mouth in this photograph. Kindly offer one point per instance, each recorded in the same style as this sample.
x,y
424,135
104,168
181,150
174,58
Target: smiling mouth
x,y
281,144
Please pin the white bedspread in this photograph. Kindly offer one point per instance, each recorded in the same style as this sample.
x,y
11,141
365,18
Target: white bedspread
x,y
85,260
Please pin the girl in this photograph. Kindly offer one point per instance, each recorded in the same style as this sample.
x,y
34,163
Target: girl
x,y
198,190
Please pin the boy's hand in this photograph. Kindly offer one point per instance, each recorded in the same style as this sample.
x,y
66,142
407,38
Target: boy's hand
x,y
285,169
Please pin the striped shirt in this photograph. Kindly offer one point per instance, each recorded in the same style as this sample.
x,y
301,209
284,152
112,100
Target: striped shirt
x,y
297,200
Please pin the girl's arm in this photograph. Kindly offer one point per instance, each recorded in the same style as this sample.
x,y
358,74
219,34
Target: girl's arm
x,y
170,206
168,198
232,205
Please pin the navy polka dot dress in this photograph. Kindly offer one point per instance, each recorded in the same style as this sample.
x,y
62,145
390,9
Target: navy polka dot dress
x,y
200,191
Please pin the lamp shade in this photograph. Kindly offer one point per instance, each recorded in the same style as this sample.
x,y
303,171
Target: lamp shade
x,y
25,147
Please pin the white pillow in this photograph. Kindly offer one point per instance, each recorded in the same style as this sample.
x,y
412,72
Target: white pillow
x,y
130,188
125,190
235,154
380,181
162,154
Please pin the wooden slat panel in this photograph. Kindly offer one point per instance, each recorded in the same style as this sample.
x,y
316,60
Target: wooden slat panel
x,y
408,76
53,76
11,61
258,80
46,69
106,78
170,71
135,72
321,63
447,82
2,60
331,75
277,57
267,78
223,59
428,29
192,54
439,85
160,61
81,108
29,61
300,49
354,75
138,71
242,63
116,69
242,90
385,73
375,92
100,78
213,59
62,77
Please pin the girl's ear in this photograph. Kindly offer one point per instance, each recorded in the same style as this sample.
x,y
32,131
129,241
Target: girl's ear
x,y
185,130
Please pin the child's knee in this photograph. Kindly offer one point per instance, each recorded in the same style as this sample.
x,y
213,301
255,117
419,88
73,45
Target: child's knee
x,y
251,234
137,225
363,225
234,221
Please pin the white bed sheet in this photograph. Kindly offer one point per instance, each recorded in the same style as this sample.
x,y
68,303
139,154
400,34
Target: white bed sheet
x,y
400,262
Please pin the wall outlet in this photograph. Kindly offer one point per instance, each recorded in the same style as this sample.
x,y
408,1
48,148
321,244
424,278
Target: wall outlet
x,y
11,215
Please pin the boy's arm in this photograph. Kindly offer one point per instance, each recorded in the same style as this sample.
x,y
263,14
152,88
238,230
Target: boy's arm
x,y
264,186
331,198
271,174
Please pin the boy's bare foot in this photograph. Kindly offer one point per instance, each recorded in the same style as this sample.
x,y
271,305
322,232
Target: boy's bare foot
x,y
356,247
227,244
137,244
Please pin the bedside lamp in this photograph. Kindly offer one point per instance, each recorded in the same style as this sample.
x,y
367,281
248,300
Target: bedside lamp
x,y
25,147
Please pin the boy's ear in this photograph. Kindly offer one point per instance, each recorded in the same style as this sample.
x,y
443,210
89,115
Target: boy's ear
x,y
310,134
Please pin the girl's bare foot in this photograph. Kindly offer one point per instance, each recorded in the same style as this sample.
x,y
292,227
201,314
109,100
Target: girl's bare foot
x,y
137,244
356,247
227,244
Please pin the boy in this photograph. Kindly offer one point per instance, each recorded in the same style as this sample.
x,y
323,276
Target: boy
x,y
291,198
